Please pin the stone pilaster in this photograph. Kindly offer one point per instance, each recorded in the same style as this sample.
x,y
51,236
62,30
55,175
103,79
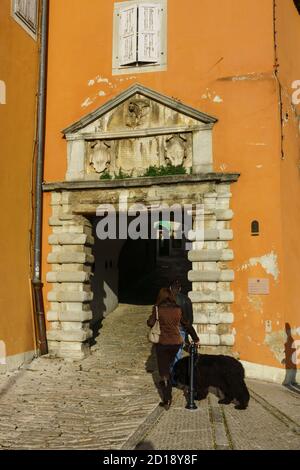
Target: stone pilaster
x,y
70,259
210,276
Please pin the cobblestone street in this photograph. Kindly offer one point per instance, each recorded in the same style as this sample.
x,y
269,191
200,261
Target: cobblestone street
x,y
109,401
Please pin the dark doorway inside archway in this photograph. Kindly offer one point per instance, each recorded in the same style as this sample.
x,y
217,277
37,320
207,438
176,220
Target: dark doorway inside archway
x,y
132,271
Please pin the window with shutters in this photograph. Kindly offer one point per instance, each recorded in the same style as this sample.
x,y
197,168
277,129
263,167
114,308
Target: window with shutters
x,y
25,13
139,40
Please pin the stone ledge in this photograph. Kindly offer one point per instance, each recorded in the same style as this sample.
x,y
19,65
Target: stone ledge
x,y
140,182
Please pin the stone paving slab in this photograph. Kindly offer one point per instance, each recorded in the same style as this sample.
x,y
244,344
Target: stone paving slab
x,y
109,401
262,426
97,403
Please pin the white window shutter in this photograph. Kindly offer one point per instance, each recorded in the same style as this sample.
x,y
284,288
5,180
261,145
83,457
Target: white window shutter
x,y
149,33
26,9
128,35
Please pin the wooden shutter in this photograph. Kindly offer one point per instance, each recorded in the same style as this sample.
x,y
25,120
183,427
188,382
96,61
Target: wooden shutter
x,y
128,35
149,33
27,11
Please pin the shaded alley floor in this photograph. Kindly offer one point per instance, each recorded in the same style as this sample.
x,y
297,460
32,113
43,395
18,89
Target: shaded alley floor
x,y
109,401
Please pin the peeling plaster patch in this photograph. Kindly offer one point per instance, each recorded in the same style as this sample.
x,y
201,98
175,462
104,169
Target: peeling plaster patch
x,y
259,166
100,79
2,92
101,93
256,302
269,262
223,167
275,341
87,103
91,82
217,99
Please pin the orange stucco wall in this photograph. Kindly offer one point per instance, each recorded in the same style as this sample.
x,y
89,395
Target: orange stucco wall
x,y
220,61
288,32
18,69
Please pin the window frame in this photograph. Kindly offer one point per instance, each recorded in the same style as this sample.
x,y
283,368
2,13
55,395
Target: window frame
x,y
33,32
161,64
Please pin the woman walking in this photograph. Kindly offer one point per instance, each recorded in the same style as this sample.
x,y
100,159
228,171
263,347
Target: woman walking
x,y
170,318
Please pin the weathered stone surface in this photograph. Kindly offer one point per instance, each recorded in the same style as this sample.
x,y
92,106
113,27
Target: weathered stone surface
x,y
210,255
214,296
62,276
225,275
70,257
213,318
69,296
72,316
227,340
211,234
69,336
209,339
224,214
70,239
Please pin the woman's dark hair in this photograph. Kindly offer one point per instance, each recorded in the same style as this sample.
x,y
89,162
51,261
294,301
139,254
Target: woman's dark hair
x,y
165,296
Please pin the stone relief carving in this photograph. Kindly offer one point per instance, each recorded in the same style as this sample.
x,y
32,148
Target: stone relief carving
x,y
176,149
99,153
137,110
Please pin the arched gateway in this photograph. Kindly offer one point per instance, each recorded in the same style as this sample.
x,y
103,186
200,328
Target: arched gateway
x,y
111,153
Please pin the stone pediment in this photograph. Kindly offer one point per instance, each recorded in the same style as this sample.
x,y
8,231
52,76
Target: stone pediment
x,y
137,129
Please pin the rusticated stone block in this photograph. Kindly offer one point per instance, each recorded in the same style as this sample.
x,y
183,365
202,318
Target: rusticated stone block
x,y
225,275
210,255
214,296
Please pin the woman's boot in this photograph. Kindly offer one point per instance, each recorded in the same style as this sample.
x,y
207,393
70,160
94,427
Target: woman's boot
x,y
166,389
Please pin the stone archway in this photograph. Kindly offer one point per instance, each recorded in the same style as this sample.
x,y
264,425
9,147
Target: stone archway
x,y
71,257
107,145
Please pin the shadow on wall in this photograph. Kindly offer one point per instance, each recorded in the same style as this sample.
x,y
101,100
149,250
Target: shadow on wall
x,y
289,361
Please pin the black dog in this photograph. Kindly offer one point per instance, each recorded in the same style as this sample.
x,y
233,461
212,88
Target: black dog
x,y
223,372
